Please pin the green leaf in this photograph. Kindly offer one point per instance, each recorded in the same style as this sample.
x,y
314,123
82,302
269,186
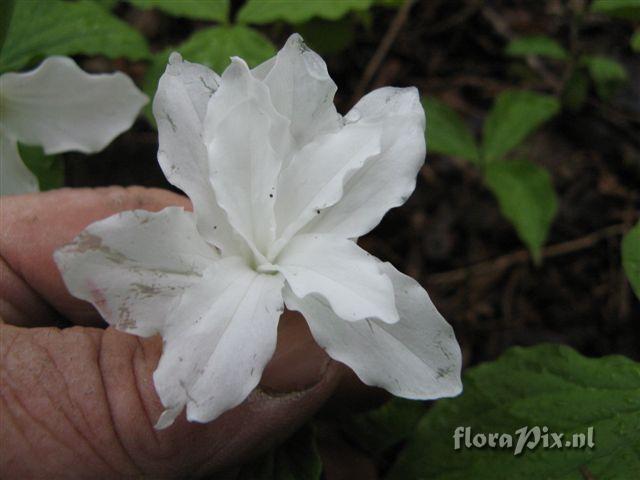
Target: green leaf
x,y
298,11
546,386
217,10
389,3
212,47
514,116
446,132
635,41
48,169
527,199
627,9
327,37
631,257
106,4
51,27
384,427
5,19
608,75
536,45
297,459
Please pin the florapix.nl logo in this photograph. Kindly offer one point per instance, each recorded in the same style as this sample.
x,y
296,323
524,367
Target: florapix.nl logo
x,y
525,438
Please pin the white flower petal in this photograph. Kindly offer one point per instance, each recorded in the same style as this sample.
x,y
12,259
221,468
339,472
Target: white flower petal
x,y
386,180
62,108
245,138
340,271
417,357
301,90
239,85
223,335
262,70
15,177
135,266
179,107
314,179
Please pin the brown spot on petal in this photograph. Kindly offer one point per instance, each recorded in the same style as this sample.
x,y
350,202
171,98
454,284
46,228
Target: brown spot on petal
x,y
98,299
87,241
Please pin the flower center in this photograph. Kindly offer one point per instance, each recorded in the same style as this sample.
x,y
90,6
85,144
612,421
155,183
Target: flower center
x,y
268,268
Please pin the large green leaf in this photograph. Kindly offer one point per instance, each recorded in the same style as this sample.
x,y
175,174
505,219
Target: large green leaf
x,y
52,27
628,9
297,459
48,169
446,132
106,4
607,74
5,18
384,427
217,10
298,11
513,117
526,197
327,37
631,257
212,47
536,45
545,386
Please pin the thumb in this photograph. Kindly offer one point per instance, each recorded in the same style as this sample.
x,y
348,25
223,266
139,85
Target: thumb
x,y
82,402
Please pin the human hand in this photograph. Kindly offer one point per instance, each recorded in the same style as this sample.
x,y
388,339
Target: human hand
x,y
79,402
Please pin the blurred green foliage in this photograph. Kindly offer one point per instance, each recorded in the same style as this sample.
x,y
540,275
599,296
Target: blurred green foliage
x,y
296,459
537,45
217,10
526,197
298,11
377,431
524,191
49,169
627,9
514,116
447,134
5,18
635,41
631,257
327,37
607,74
576,90
40,28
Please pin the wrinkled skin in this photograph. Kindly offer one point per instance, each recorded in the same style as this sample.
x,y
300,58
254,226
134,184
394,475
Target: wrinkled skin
x,y
79,402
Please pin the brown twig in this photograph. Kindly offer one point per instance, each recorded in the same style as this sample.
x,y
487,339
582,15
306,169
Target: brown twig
x,y
383,49
522,256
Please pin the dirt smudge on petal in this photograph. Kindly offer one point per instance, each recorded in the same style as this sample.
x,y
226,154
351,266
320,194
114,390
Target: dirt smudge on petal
x,y
98,299
88,242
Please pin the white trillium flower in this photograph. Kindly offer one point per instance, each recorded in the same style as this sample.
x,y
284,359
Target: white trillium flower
x,y
281,185
61,108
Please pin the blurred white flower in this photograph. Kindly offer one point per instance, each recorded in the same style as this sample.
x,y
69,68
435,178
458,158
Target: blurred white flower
x,y
61,108
281,185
